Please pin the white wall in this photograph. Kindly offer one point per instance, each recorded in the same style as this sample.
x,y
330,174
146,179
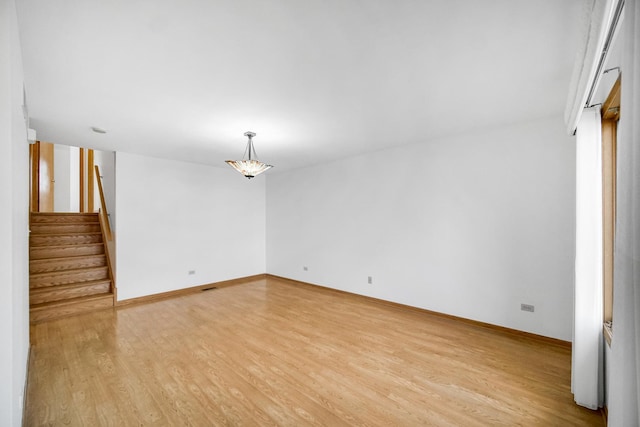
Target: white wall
x,y
174,217
472,226
14,223
62,177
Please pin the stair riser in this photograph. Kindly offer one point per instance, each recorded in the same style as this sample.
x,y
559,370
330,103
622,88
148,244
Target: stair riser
x,y
39,218
70,263
44,252
64,228
70,239
53,293
65,278
64,310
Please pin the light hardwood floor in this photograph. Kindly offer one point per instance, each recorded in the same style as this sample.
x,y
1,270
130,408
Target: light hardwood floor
x,y
275,353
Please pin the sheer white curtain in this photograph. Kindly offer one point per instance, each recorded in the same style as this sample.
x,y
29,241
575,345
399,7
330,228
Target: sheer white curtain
x,y
586,363
624,393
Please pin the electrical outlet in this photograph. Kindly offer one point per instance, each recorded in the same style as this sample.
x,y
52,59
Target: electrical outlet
x,y
527,307
370,280
192,272
305,268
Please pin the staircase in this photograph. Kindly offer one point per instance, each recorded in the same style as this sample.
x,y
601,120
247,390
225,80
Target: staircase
x,y
68,268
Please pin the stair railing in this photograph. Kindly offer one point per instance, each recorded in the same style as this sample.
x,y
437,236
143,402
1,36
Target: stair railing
x,y
105,226
103,210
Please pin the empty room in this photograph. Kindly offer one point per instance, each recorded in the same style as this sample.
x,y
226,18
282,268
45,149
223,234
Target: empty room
x,y
385,212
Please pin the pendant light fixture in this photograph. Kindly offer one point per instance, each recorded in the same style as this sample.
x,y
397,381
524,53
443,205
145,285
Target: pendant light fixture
x,y
249,166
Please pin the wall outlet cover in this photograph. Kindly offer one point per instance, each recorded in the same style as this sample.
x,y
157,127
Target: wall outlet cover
x,y
527,307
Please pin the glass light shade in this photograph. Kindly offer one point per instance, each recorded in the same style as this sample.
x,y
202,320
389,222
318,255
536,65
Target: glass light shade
x,y
249,168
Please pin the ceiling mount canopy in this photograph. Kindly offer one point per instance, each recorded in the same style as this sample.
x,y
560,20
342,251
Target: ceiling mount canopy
x,y
249,166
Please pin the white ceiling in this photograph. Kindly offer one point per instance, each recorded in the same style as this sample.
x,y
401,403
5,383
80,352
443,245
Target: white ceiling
x,y
316,79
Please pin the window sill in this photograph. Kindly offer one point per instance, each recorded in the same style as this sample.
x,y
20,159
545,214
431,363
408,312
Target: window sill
x,y
608,333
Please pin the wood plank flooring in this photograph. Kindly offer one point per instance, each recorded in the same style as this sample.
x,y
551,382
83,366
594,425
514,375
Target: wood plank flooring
x,y
274,353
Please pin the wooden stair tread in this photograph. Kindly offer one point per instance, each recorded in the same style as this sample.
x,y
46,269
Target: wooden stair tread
x,y
65,277
63,213
66,258
53,224
69,257
44,265
76,249
73,245
56,239
49,228
46,289
70,233
52,310
66,272
71,301
59,214
70,291
64,219
60,217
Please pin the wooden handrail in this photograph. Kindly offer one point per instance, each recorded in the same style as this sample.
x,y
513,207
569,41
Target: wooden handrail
x,y
103,204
